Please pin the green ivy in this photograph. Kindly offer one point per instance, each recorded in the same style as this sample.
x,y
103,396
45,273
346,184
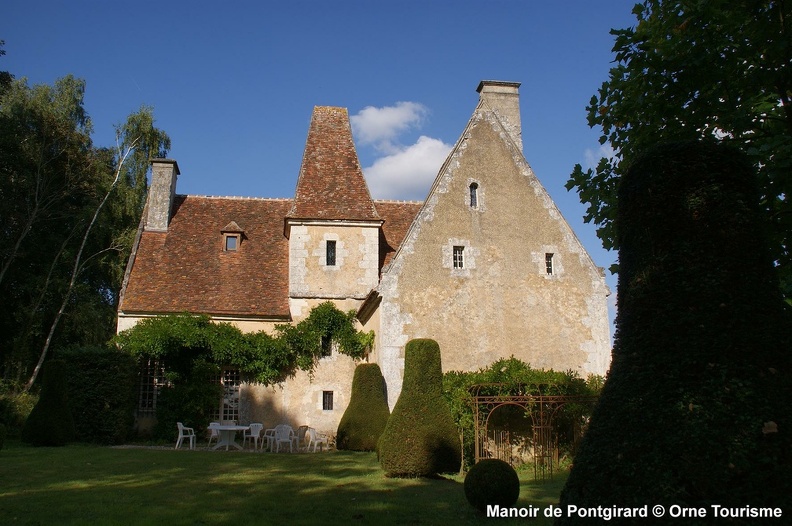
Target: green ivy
x,y
260,357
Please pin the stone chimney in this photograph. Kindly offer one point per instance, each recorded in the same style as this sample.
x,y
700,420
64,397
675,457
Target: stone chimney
x,y
161,192
503,98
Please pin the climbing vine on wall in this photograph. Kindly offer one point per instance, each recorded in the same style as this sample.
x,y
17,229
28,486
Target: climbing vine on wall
x,y
180,340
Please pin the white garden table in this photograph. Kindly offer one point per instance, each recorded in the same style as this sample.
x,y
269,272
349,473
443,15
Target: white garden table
x,y
228,435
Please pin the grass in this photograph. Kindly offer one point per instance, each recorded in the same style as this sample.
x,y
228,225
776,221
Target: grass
x,y
81,484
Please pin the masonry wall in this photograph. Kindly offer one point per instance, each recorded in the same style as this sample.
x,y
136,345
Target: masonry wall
x,y
502,302
299,400
355,272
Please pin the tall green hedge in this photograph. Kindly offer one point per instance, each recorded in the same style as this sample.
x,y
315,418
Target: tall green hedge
x,y
103,386
367,413
696,409
50,422
420,439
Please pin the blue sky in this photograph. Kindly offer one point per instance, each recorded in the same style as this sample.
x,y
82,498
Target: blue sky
x,y
234,83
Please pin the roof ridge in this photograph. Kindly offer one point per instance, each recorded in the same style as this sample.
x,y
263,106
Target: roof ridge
x,y
406,201
236,197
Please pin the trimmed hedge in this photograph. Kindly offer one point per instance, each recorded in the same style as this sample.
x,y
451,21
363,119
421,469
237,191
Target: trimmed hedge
x,y
492,482
50,422
103,387
696,408
420,439
367,414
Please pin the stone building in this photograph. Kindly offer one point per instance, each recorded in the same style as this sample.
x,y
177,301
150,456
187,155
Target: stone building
x,y
486,265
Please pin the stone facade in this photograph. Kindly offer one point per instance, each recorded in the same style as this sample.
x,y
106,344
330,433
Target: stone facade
x,y
500,298
486,265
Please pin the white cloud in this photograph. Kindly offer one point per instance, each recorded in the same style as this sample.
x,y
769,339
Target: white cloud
x,y
408,172
381,126
592,157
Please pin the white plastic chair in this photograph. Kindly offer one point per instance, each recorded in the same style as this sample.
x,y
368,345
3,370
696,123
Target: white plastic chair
x,y
253,434
283,435
185,432
299,437
269,436
315,439
213,432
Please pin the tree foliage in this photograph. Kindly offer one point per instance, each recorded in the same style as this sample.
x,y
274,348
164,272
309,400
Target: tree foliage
x,y
696,408
52,183
689,69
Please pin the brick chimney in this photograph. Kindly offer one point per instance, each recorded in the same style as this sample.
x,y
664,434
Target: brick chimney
x,y
503,98
160,199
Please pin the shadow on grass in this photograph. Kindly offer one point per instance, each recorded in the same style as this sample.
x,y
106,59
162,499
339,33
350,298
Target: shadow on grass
x,y
81,484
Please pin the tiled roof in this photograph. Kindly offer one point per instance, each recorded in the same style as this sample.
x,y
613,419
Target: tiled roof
x,y
187,269
398,216
331,184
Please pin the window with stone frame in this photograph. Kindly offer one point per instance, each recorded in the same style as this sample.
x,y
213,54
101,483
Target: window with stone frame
x,y
549,263
474,195
458,256
330,253
327,400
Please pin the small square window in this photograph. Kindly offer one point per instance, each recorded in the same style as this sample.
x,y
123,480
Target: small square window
x,y
327,400
231,243
459,257
330,259
549,263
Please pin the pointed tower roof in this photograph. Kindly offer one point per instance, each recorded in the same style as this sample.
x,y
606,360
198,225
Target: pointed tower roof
x,y
331,184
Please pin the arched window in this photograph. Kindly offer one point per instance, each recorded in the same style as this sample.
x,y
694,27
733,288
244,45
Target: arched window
x,y
473,195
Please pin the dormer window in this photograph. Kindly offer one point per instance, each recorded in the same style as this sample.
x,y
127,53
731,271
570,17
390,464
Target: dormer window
x,y
231,242
474,195
232,237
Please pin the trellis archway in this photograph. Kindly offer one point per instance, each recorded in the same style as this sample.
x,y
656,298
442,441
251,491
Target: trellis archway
x,y
538,401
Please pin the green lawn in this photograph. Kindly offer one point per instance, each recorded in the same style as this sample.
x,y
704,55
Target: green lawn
x,y
82,484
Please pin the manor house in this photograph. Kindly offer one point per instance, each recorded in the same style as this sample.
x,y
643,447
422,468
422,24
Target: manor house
x,y
486,266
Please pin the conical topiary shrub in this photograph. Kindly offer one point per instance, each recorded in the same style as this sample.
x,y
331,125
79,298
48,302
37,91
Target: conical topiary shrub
x,y
420,439
696,408
50,422
367,414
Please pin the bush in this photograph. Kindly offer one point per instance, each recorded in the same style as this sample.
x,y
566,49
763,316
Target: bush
x,y
492,482
420,439
695,409
50,422
367,413
513,376
14,411
102,393
2,435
